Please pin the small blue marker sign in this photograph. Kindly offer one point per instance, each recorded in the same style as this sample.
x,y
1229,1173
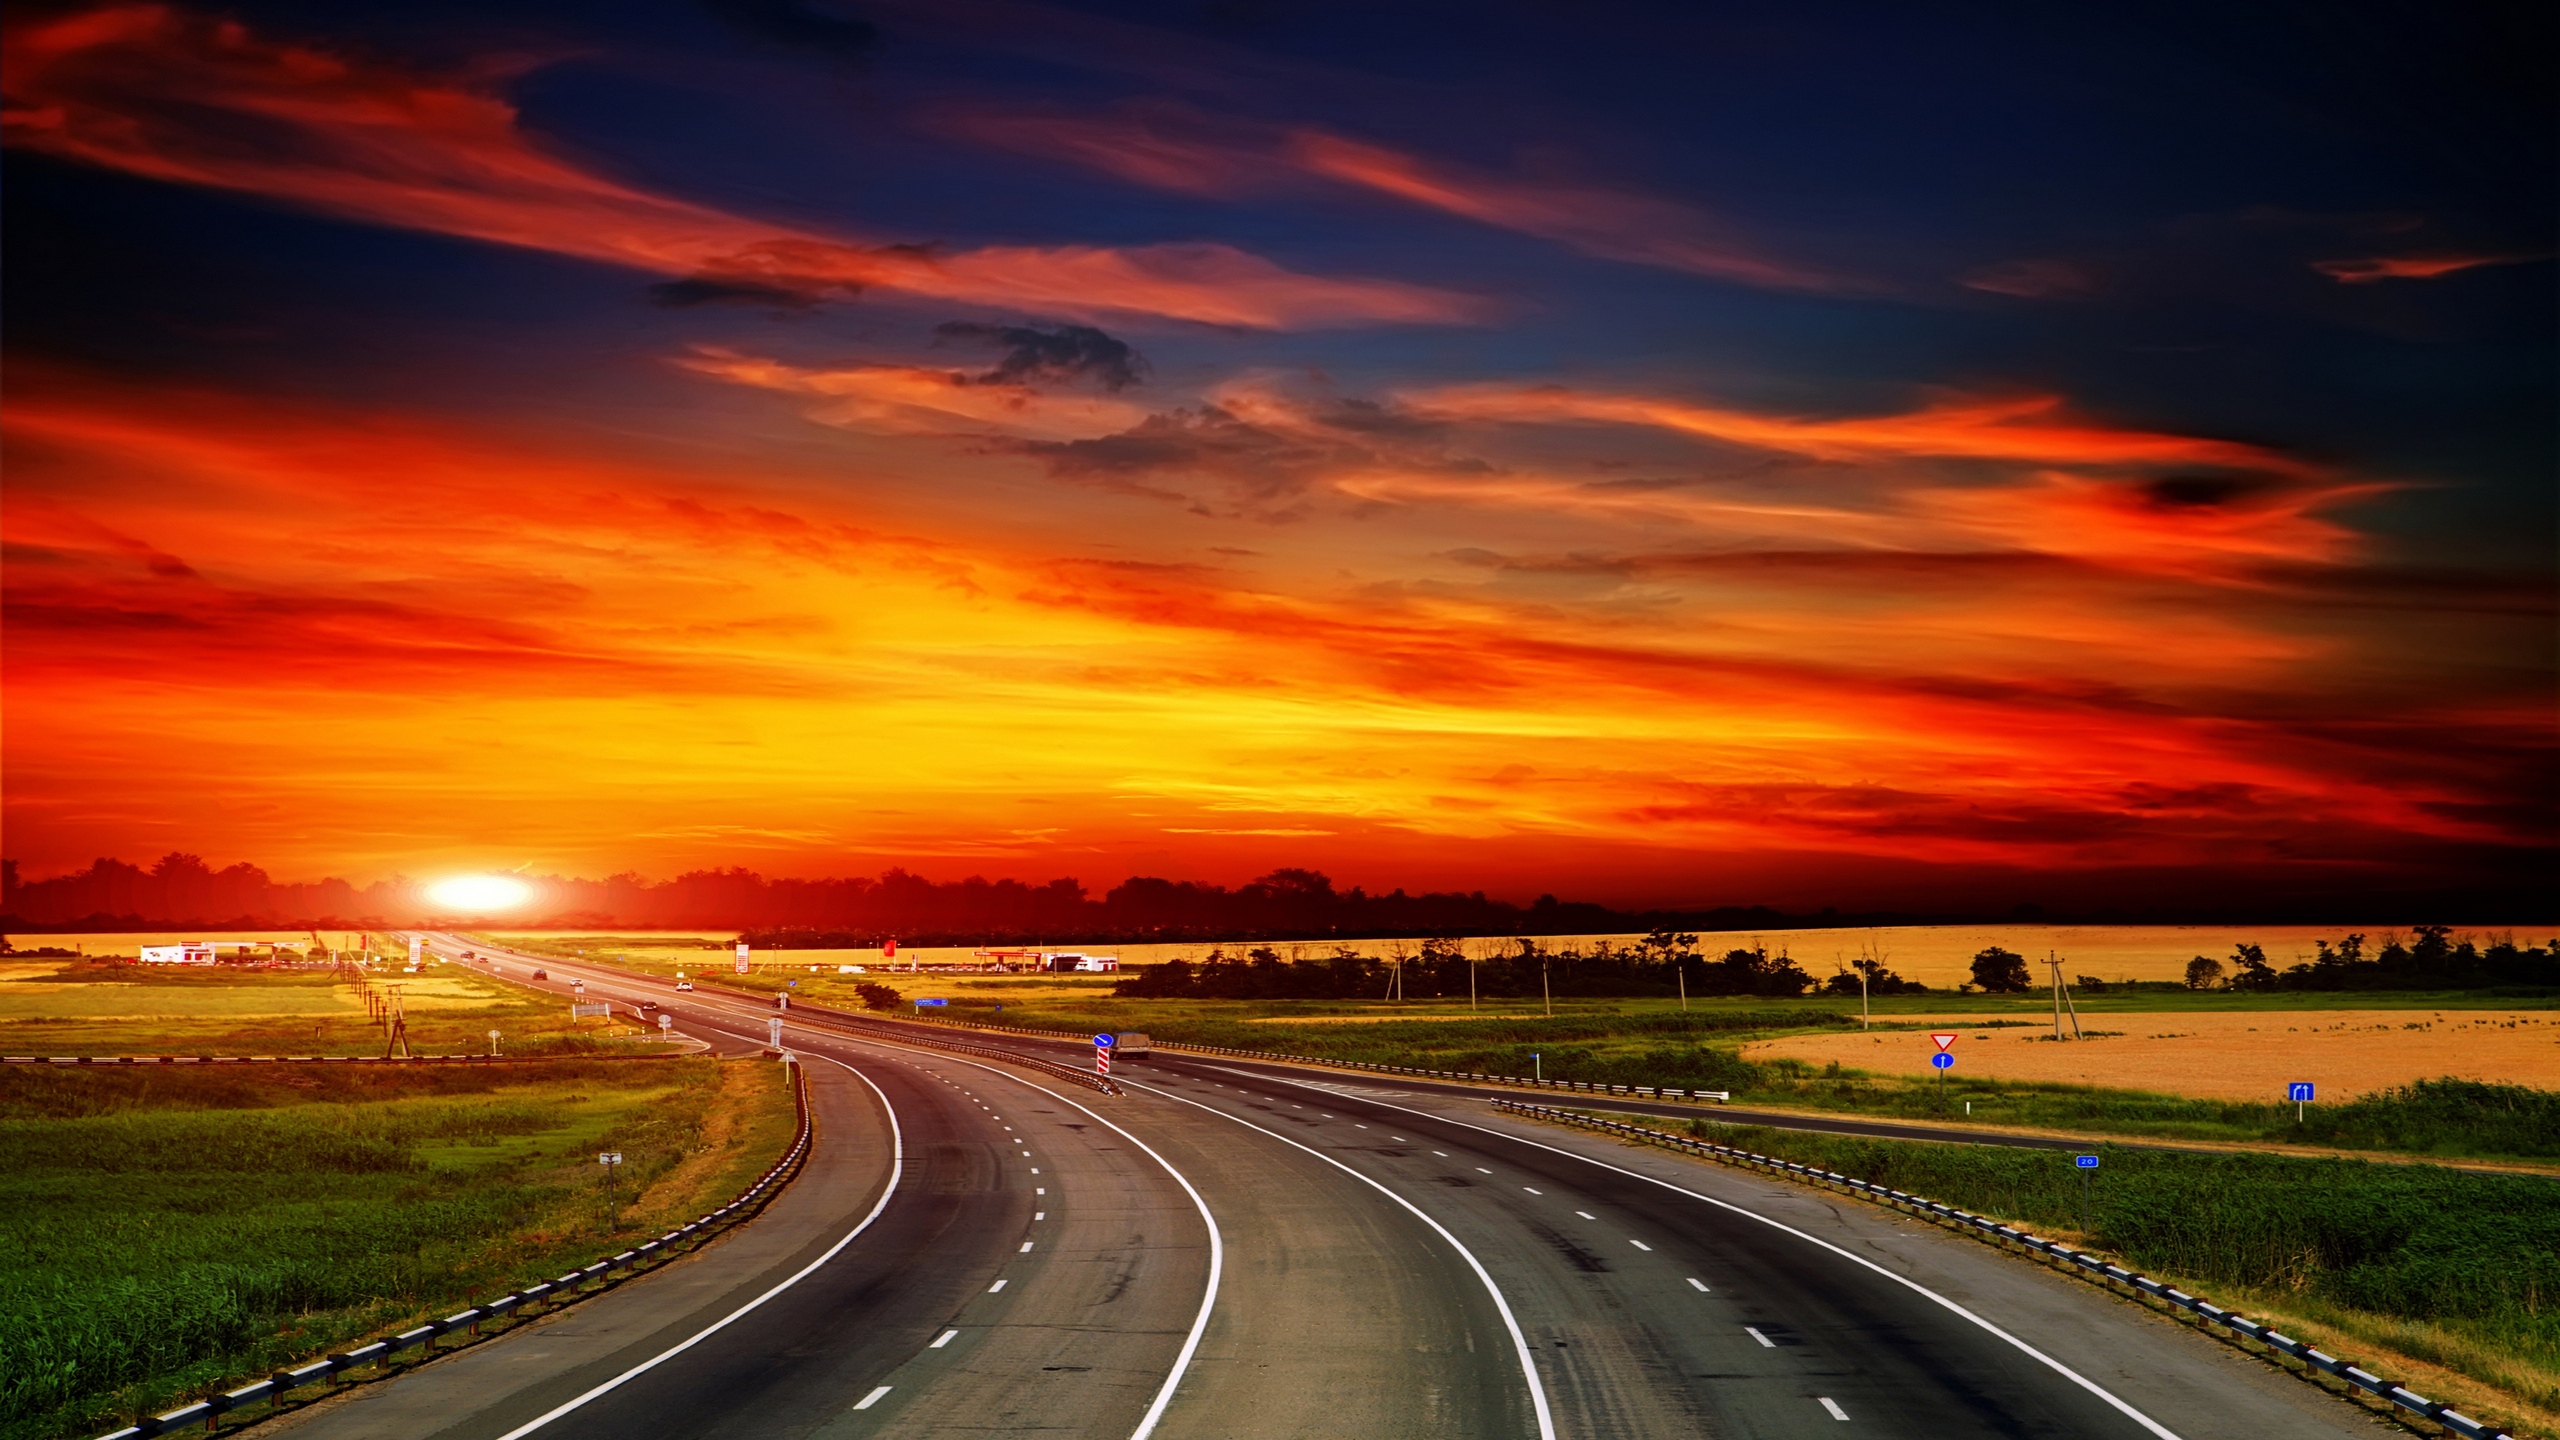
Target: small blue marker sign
x,y
1104,1041
933,1002
1942,1059
2298,1092
2085,1162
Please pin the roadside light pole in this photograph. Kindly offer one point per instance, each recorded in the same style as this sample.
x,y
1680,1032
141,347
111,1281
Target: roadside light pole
x,y
1538,1067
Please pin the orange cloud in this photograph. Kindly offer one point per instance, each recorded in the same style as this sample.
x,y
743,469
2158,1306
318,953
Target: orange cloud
x,y
2367,269
1179,150
153,91
911,400
334,638
2031,429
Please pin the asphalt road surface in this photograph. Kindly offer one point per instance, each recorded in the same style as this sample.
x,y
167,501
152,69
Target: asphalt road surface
x,y
1234,1250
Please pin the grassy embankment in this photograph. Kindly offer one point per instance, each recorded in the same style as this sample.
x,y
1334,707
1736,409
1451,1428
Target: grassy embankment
x,y
2452,1274
173,1232
90,1007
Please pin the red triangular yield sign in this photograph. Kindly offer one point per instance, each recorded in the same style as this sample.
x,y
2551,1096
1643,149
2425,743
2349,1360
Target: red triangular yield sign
x,y
1944,1038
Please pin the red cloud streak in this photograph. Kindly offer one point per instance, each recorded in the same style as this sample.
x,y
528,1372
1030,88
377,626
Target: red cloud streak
x,y
131,87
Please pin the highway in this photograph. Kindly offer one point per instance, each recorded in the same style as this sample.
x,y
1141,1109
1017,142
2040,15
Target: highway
x,y
1227,1251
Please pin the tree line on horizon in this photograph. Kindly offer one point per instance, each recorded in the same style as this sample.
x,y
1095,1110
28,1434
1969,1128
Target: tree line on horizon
x,y
853,912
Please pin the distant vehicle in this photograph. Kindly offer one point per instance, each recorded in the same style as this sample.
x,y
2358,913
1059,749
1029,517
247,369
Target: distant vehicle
x,y
467,955
541,974
646,1006
1057,962
684,984
1126,1045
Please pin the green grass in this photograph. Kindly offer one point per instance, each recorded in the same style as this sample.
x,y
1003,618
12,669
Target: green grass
x,y
2460,1264
86,1007
170,1231
1640,1044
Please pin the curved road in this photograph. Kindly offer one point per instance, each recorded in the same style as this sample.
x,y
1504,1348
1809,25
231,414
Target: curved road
x,y
1226,1251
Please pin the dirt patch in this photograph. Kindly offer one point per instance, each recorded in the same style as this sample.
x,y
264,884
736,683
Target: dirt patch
x,y
2221,1055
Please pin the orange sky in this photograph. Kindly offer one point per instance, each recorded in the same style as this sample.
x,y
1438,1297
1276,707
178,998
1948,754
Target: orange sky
x,y
1627,633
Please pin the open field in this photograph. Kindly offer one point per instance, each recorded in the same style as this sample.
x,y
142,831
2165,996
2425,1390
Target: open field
x,y
73,1007
1935,955
168,1231
2446,1271
2246,1055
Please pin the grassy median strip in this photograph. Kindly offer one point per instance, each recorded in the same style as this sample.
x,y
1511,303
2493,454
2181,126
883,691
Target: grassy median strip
x,y
2450,1274
173,1231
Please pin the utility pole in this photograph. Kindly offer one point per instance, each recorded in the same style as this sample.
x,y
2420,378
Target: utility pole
x,y
1864,1019
398,1034
1680,968
1544,992
2061,997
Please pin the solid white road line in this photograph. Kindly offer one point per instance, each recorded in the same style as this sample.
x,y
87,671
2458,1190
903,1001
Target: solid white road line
x,y
1701,1284
946,1338
1519,1342
1754,1332
867,1401
897,1168
2056,1366
1833,1406
1217,1242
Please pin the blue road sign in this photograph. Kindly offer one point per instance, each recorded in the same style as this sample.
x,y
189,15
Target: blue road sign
x,y
1103,1041
1942,1059
2298,1092
933,1002
2085,1162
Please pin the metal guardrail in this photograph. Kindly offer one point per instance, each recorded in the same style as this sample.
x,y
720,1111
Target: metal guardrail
x,y
1590,1087
314,1059
209,1412
2080,1262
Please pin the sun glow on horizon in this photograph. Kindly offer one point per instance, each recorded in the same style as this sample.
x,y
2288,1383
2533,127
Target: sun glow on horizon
x,y
478,893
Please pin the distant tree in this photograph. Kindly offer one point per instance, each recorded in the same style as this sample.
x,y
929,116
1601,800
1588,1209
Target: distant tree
x,y
878,997
2250,970
1880,981
2203,974
2090,983
2001,972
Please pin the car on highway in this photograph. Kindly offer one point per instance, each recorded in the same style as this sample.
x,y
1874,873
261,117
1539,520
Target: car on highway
x,y
541,974
684,984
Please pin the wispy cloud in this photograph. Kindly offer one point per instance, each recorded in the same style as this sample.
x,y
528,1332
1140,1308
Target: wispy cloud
x,y
154,91
1179,150
2368,269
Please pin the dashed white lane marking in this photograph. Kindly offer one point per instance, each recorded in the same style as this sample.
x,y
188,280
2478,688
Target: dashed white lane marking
x,y
1399,1139
995,1287
1039,1214
1356,1125
897,1171
1833,1406
1754,1332
1641,1246
867,1401
947,1337
2154,1427
1039,1190
1585,1214
1026,1247
1701,1284
1443,1154
1533,1191
1482,1171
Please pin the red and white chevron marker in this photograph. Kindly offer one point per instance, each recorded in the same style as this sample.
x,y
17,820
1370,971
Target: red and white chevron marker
x,y
1101,1060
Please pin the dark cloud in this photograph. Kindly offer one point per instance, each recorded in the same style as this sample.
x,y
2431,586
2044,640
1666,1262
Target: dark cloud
x,y
1069,353
1207,443
803,25
710,290
2197,492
